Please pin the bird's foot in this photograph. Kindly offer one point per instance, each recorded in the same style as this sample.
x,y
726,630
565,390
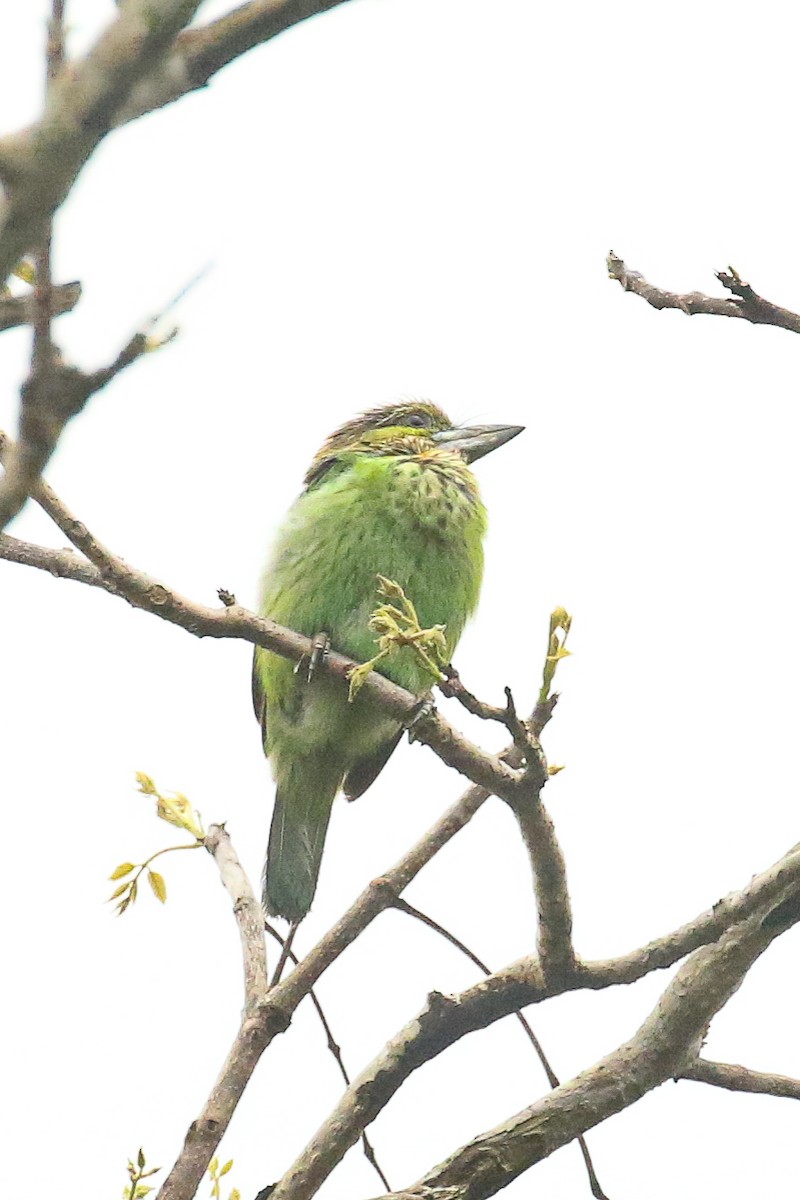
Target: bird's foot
x,y
425,709
320,645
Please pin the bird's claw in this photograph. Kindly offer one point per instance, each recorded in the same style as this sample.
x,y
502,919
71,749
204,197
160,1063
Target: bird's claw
x,y
425,709
320,645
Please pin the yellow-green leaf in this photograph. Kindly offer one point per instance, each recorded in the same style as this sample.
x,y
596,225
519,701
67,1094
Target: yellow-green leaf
x,y
176,810
25,271
123,887
122,869
158,885
224,1170
146,785
559,654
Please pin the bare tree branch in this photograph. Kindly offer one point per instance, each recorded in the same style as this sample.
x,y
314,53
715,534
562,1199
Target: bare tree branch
x,y
659,1050
20,310
44,353
39,166
554,928
206,1132
198,54
63,564
447,1019
746,304
53,393
741,1079
522,983
249,917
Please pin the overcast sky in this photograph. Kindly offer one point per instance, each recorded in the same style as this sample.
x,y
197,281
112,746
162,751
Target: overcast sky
x,y
416,197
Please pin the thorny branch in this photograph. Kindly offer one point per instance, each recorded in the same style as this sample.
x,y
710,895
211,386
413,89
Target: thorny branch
x,y
744,303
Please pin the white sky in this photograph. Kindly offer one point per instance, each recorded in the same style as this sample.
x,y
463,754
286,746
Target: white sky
x,y
416,197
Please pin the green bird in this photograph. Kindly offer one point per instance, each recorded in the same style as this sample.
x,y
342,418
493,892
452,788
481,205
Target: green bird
x,y
390,493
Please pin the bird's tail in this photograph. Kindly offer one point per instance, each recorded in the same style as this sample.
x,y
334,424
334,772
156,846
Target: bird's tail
x,y
303,801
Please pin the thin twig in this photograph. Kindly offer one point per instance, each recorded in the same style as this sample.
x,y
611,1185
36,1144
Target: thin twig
x,y
336,1052
286,953
744,303
53,393
404,907
741,1079
452,686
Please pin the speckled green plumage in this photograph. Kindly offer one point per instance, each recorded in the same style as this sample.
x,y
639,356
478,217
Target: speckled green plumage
x,y
382,497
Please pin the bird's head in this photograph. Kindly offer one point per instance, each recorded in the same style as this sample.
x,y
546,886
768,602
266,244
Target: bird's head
x,y
410,427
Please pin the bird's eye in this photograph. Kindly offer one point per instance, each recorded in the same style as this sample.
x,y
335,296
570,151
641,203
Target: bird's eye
x,y
416,420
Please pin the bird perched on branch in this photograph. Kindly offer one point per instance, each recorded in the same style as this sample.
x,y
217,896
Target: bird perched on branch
x,y
390,493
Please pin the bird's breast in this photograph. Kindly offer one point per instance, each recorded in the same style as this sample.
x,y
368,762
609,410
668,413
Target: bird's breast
x,y
413,522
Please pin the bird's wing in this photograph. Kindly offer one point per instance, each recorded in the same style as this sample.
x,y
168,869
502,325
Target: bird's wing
x,y
364,773
259,696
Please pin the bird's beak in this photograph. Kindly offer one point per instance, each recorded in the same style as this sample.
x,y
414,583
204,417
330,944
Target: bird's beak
x,y
473,441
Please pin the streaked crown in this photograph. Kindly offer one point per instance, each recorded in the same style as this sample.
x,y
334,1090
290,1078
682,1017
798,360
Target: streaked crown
x,y
381,430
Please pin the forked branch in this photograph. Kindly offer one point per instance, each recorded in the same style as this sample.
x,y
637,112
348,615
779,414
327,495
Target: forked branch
x,y
743,303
